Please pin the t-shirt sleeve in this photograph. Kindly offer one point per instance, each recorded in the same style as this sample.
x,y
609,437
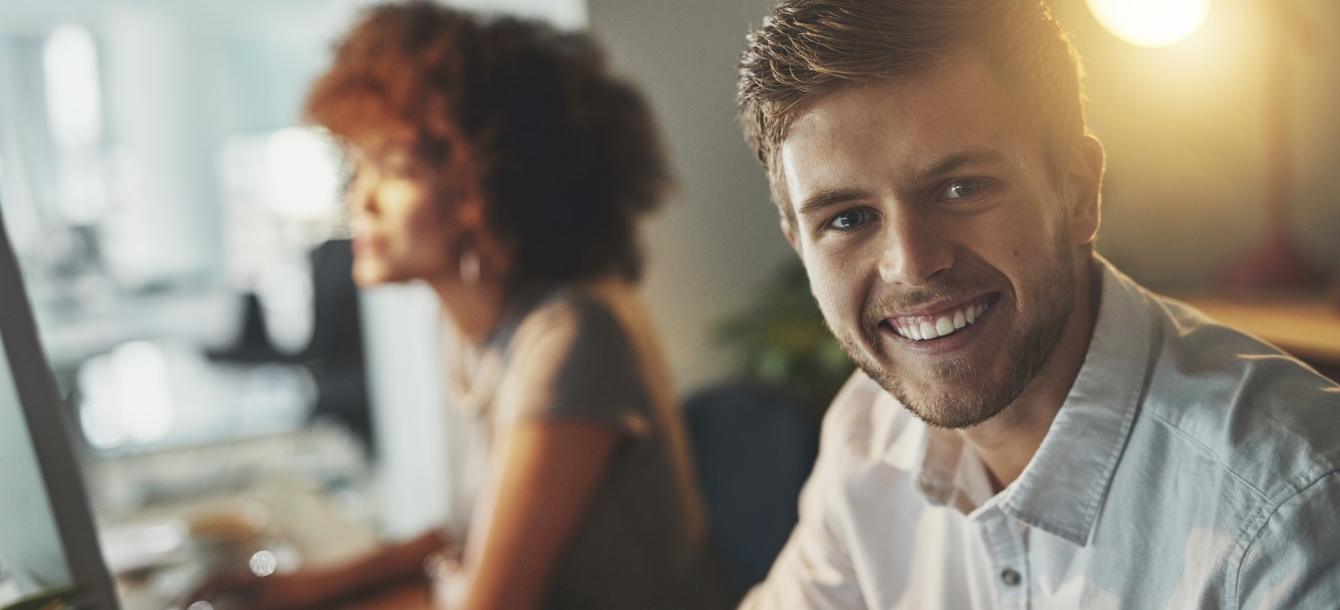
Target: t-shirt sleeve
x,y
1295,560
573,359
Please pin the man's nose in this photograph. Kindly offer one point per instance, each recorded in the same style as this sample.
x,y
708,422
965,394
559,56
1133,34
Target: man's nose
x,y
914,251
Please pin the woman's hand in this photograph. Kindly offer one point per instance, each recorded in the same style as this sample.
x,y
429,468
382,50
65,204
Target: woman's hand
x,y
244,590
390,565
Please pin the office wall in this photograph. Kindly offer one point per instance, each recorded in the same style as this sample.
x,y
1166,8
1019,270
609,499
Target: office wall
x,y
717,239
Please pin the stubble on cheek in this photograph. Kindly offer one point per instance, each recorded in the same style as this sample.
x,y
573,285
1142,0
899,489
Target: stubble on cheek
x,y
963,390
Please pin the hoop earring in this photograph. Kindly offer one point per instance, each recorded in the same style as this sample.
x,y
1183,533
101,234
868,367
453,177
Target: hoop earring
x,y
470,266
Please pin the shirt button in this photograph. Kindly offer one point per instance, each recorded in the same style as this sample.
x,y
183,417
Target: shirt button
x,y
1010,577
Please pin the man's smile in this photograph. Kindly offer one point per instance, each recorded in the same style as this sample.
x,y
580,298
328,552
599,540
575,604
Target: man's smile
x,y
940,321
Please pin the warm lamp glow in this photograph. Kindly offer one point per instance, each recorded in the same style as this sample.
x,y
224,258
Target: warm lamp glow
x,y
1150,23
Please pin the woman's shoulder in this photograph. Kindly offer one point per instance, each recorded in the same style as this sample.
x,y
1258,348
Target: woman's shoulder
x,y
573,354
576,316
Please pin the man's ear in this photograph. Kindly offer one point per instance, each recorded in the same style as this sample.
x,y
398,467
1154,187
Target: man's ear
x,y
789,231
1085,190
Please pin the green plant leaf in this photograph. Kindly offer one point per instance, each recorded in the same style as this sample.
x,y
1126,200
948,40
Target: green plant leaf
x,y
781,339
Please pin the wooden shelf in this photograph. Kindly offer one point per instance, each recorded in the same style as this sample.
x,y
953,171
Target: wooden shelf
x,y
1308,329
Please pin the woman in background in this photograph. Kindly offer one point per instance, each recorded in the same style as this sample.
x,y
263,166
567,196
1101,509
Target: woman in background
x,y
501,163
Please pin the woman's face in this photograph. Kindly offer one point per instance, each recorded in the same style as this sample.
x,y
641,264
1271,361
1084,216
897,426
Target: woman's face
x,y
399,228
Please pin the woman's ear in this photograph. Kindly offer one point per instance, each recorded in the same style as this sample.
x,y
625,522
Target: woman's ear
x,y
493,255
496,258
468,215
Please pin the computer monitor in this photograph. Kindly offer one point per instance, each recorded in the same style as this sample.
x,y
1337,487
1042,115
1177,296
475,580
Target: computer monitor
x,y
47,536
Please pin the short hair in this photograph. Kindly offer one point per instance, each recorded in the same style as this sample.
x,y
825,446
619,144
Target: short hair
x,y
567,156
808,48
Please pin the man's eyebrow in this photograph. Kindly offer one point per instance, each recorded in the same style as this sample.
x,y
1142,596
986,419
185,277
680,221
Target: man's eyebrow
x,y
955,161
826,198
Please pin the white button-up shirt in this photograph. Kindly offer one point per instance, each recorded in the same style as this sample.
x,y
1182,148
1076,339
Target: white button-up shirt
x,y
1191,466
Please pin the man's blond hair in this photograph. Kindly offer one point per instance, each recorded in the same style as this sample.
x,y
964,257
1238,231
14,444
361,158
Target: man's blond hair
x,y
808,48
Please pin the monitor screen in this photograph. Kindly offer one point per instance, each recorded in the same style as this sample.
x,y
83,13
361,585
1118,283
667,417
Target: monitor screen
x,y
30,542
47,536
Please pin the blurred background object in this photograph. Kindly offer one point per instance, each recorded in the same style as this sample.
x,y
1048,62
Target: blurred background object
x,y
755,446
1276,262
180,233
756,436
781,341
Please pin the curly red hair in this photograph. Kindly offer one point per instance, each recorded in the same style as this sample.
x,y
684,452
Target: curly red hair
x,y
566,156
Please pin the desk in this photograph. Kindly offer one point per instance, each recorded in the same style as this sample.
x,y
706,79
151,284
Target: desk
x,y
1307,329
295,513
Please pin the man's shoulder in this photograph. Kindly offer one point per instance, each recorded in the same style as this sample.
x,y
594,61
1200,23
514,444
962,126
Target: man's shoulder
x,y
1264,417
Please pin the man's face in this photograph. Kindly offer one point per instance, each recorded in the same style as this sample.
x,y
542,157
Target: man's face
x,y
937,242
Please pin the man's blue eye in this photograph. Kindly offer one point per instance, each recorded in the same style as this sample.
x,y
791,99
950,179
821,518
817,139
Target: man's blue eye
x,y
962,188
848,219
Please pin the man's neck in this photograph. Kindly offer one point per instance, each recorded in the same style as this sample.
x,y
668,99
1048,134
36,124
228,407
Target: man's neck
x,y
1007,443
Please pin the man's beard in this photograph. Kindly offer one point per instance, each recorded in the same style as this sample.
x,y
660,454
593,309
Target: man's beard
x,y
1027,348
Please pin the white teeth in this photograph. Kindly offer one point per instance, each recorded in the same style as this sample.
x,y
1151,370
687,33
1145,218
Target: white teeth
x,y
944,325
928,331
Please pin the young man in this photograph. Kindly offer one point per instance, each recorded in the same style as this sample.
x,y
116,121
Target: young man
x,y
1030,429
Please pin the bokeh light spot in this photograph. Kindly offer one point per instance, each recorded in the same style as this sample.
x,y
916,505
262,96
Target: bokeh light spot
x,y
263,563
1151,23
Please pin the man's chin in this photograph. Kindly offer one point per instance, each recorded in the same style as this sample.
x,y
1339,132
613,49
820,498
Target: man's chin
x,y
951,393
950,410
953,417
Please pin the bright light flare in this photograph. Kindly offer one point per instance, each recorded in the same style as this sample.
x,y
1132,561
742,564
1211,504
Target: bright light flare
x,y
1151,23
127,396
73,90
302,173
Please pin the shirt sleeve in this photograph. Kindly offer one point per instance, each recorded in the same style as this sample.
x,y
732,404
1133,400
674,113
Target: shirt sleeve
x,y
1294,562
573,359
814,569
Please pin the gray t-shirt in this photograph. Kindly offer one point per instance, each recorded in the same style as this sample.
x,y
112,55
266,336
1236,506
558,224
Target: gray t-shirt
x,y
590,352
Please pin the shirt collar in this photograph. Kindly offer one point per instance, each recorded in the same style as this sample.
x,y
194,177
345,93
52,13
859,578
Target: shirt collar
x,y
1062,489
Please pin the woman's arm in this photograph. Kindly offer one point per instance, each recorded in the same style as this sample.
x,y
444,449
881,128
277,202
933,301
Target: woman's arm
x,y
550,471
389,565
